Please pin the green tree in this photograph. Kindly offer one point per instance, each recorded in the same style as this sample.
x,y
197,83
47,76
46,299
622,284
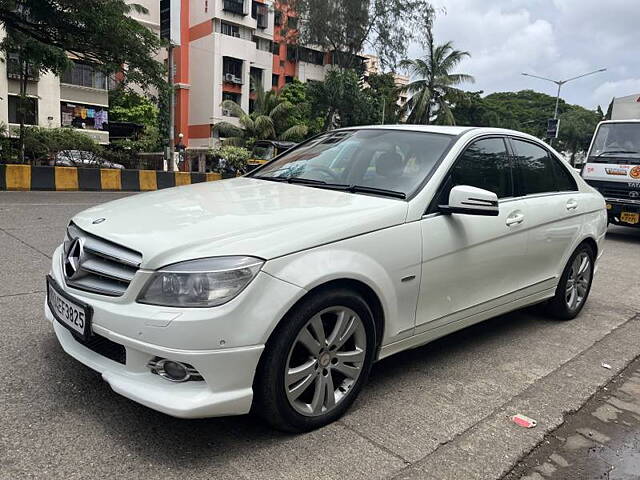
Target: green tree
x,y
577,126
434,86
130,106
100,32
41,33
297,94
349,26
269,120
382,86
342,102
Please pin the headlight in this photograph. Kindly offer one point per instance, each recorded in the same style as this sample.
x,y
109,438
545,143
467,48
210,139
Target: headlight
x,y
200,283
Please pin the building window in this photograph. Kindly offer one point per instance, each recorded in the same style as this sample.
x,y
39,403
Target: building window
x,y
277,18
311,56
275,80
30,110
85,75
14,68
232,70
230,29
262,44
260,12
292,22
256,76
79,115
292,53
234,6
288,79
234,97
276,48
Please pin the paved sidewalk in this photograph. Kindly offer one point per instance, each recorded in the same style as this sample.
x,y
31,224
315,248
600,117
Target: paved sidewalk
x,y
599,441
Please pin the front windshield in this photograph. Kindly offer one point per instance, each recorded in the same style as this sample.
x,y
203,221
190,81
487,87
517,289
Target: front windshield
x,y
614,140
394,160
264,151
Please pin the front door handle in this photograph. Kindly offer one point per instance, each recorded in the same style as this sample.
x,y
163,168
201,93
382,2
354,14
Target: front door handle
x,y
572,205
515,219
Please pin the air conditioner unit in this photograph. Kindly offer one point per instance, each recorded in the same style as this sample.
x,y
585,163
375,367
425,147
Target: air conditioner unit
x,y
237,80
226,112
236,34
229,77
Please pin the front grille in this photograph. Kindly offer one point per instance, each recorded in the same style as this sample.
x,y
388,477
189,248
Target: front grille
x,y
105,347
96,265
617,193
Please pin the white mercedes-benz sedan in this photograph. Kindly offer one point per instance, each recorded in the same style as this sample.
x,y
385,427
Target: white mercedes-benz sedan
x,y
276,292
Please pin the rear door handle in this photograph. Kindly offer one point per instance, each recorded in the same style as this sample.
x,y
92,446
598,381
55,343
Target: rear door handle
x,y
515,219
572,205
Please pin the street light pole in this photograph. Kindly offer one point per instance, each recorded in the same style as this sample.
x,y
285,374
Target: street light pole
x,y
560,83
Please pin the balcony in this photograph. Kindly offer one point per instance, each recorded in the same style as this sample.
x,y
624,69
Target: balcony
x,y
260,12
14,69
83,75
234,6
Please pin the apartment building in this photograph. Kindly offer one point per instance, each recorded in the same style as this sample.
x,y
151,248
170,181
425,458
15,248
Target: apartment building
x,y
79,99
228,49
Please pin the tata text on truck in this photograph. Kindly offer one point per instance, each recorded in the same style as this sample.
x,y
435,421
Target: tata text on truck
x,y
613,162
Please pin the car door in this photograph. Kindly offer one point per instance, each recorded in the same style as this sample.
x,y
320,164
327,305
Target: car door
x,y
473,263
555,208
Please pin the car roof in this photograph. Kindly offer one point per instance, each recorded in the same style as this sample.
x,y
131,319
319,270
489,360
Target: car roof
x,y
444,129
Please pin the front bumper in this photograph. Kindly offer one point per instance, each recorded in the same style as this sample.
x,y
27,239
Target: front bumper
x,y
615,207
223,343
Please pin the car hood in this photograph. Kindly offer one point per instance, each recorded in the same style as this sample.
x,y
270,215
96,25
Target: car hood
x,y
241,216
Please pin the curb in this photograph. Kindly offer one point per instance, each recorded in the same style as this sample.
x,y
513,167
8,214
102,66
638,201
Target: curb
x,y
28,177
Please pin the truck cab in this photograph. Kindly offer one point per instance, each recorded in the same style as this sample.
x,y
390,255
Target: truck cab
x,y
612,166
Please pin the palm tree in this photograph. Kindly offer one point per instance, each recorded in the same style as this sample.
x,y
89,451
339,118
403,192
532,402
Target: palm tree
x,y
434,87
269,120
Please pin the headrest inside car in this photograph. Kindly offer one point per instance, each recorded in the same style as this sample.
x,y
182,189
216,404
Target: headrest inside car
x,y
389,164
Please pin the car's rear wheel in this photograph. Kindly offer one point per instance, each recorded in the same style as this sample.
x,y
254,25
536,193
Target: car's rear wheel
x,y
316,362
574,285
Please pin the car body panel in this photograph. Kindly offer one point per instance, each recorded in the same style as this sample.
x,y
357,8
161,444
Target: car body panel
x,y
240,216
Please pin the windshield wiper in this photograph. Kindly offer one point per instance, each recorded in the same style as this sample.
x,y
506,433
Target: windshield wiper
x,y
336,186
615,151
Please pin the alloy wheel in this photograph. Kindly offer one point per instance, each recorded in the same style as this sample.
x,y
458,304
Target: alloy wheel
x,y
578,281
325,361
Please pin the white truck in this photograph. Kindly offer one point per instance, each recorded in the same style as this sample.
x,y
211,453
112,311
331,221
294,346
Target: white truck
x,y
613,162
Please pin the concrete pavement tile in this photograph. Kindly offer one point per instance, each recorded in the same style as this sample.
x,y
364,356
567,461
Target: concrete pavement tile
x,y
22,268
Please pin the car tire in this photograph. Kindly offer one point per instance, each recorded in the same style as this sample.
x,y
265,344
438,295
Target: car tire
x,y
574,285
320,359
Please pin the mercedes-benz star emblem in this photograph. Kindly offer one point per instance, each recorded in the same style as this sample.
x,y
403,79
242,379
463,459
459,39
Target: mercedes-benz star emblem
x,y
98,220
72,261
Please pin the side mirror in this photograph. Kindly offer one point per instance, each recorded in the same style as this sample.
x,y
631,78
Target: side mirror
x,y
471,201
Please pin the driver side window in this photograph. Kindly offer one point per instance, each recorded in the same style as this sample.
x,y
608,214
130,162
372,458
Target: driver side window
x,y
484,164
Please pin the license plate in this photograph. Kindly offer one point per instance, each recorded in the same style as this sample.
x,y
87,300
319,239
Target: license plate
x,y
631,218
71,313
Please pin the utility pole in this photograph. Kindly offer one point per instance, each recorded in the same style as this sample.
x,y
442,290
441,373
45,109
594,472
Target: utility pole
x,y
172,110
560,83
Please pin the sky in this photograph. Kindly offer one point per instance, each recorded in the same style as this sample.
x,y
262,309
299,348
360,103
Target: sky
x,y
552,38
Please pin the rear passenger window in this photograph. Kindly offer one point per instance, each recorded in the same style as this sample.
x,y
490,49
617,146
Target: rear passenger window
x,y
484,164
564,180
534,169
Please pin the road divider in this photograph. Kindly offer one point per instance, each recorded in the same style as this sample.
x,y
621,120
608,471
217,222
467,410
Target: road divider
x,y
27,177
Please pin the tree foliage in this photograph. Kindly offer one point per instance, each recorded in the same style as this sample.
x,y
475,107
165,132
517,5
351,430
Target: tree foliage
x,y
269,120
382,86
352,26
528,111
100,32
342,102
434,85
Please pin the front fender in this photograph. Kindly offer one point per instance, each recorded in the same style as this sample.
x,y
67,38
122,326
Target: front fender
x,y
381,260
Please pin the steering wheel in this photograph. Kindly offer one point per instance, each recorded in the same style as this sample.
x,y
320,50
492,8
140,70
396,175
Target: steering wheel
x,y
327,172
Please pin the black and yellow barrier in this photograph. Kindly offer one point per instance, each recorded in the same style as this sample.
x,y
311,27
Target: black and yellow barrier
x,y
27,177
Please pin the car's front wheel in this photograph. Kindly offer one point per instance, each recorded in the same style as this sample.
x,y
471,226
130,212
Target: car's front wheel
x,y
316,362
574,285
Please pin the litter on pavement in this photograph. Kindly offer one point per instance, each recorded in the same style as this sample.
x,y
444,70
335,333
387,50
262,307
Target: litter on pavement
x,y
524,421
